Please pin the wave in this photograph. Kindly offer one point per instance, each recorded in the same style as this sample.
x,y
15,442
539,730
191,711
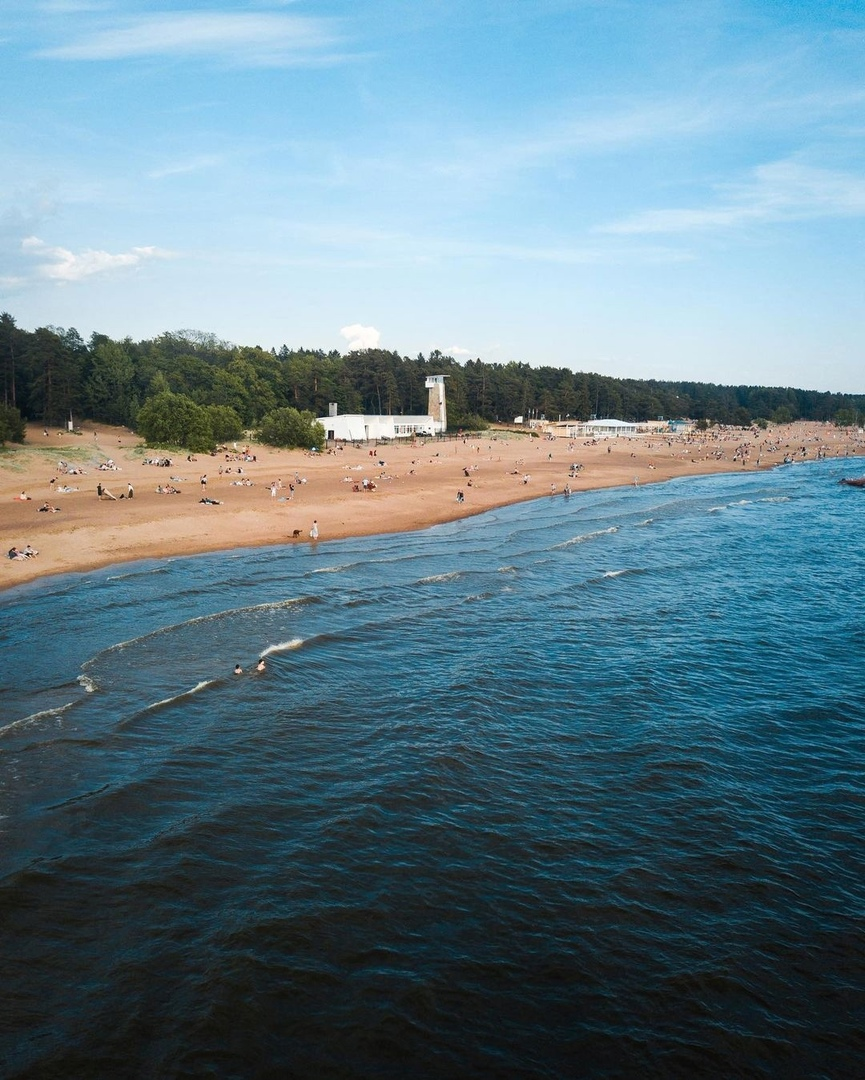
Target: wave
x,y
138,573
34,718
648,521
335,569
508,570
729,505
79,798
216,616
183,694
283,646
89,685
583,537
434,579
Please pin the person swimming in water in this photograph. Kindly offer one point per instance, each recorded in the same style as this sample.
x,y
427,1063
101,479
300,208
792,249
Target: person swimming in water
x,y
261,666
238,670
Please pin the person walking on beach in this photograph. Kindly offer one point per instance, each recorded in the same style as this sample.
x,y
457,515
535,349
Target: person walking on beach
x,y
313,532
203,483
130,491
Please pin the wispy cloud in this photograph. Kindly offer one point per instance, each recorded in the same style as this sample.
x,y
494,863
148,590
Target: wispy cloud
x,y
190,165
61,264
778,191
629,126
254,38
336,244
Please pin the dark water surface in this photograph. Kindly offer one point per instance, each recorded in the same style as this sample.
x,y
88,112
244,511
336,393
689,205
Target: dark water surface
x,y
571,789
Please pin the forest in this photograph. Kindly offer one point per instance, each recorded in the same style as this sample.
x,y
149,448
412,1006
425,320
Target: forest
x,y
52,374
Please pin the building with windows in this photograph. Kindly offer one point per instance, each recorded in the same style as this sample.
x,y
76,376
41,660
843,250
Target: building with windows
x,y
366,427
603,429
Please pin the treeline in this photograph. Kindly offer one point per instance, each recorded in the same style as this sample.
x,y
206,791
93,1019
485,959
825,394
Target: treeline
x,y
51,374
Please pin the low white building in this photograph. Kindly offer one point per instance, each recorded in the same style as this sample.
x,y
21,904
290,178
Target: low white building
x,y
365,427
604,429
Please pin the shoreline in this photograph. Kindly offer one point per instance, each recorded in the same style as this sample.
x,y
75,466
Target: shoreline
x,y
415,486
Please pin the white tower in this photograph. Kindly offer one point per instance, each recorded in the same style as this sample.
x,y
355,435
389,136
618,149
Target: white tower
x,y
437,407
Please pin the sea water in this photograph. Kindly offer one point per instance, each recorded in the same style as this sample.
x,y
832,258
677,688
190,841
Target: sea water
x,y
572,788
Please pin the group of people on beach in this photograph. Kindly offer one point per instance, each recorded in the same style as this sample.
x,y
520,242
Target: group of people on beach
x,y
27,552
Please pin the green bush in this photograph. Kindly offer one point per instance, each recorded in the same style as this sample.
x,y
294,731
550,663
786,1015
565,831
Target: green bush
x,y
12,427
168,420
290,428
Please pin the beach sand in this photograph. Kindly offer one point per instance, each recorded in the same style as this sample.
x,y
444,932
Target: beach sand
x,y
415,486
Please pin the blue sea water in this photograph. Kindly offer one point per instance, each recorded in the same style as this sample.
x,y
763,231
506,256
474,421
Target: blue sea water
x,y
573,788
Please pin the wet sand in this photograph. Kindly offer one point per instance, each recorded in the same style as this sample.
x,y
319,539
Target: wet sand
x,y
415,486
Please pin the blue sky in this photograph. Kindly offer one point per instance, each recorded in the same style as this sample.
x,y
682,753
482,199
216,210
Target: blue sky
x,y
671,190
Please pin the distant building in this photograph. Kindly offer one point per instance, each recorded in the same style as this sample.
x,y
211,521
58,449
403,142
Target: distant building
x,y
600,429
363,427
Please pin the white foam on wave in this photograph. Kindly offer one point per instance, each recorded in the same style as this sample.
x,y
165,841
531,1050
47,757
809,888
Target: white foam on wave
x,y
433,579
648,521
87,684
614,573
35,718
138,573
272,605
583,537
334,569
184,694
283,646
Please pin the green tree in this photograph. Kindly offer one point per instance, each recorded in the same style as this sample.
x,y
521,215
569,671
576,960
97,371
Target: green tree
x,y
10,343
108,384
54,359
224,422
12,427
291,428
170,420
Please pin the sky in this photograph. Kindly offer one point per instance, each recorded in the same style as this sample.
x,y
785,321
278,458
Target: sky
x,y
667,189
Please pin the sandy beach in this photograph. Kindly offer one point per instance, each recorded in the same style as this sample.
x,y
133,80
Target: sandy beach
x,y
412,487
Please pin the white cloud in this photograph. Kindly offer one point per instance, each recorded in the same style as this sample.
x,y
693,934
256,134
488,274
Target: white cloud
x,y
262,39
361,337
778,191
60,264
180,168
457,350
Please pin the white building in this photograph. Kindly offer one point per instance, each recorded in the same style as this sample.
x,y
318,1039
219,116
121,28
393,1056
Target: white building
x,y
600,429
363,427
